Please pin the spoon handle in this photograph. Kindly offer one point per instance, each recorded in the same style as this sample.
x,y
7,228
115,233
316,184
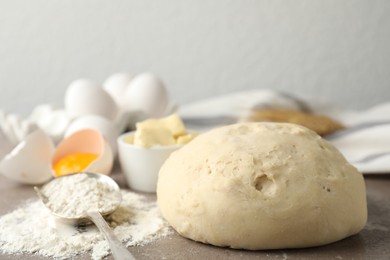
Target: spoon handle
x,y
119,252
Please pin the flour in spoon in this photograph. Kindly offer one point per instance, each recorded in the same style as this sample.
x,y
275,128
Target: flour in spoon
x,y
32,230
75,195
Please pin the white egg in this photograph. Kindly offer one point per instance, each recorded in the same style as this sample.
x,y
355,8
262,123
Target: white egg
x,y
147,94
84,97
98,123
116,86
29,161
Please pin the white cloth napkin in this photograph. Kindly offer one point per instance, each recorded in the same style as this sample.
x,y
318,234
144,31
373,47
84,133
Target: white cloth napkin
x,y
365,142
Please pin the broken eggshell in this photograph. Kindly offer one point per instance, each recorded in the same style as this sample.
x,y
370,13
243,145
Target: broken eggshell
x,y
14,128
29,161
86,141
5,144
53,121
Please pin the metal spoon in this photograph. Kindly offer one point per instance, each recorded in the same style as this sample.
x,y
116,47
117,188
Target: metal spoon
x,y
119,251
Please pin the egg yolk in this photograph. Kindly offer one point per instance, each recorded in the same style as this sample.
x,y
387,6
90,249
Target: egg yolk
x,y
73,163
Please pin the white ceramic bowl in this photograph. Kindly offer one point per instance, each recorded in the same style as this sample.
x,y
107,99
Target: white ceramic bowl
x,y
141,165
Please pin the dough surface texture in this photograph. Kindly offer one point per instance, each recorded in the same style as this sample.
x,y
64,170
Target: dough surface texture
x,y
262,186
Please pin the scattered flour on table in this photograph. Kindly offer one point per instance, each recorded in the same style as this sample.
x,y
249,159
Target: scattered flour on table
x,y
32,229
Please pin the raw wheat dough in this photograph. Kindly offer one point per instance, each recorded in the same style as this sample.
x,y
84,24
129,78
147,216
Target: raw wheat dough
x,y
262,186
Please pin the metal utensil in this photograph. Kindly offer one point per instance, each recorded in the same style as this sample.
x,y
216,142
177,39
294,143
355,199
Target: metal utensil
x,y
119,251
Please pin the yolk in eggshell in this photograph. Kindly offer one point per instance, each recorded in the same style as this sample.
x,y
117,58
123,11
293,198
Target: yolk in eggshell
x,y
73,163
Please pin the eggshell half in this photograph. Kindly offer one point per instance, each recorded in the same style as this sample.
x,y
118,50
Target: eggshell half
x,y
29,161
87,141
84,97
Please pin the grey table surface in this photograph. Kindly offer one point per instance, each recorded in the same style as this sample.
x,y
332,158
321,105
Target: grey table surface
x,y
373,242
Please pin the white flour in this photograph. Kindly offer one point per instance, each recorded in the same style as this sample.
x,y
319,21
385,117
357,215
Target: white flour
x,y
31,229
74,195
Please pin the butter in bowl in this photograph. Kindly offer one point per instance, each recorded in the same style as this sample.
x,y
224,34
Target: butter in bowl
x,y
142,152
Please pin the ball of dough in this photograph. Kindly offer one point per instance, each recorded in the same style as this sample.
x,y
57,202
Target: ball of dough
x,y
262,186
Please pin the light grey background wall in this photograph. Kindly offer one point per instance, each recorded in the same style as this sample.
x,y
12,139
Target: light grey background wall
x,y
335,50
